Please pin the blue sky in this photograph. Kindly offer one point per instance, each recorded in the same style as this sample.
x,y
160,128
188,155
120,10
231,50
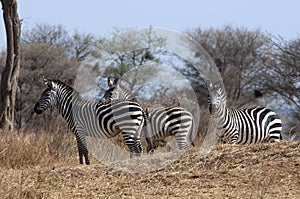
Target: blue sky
x,y
100,17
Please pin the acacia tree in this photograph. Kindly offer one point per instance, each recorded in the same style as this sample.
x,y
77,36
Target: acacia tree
x,y
123,52
10,74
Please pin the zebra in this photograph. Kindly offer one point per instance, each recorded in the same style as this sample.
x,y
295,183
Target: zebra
x,y
160,122
244,126
86,118
115,92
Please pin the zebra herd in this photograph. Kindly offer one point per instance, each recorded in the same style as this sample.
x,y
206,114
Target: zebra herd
x,y
117,113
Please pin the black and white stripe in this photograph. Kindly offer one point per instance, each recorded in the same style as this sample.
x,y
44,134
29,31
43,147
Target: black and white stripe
x,y
160,122
170,121
244,126
86,118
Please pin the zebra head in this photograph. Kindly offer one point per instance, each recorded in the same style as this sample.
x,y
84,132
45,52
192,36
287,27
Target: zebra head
x,y
108,95
116,92
48,99
217,102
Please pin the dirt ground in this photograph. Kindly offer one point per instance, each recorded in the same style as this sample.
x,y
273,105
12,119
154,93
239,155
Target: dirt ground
x,y
253,171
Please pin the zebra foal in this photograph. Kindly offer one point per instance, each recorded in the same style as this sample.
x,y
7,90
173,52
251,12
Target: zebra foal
x,y
244,126
86,118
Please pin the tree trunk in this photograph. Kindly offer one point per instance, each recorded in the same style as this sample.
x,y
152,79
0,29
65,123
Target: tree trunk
x,y
10,74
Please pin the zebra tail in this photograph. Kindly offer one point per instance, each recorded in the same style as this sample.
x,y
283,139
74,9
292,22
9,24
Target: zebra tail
x,y
192,135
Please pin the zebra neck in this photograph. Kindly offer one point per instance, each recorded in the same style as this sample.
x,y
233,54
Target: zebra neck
x,y
67,103
222,115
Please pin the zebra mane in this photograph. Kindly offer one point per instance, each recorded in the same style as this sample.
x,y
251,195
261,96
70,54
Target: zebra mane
x,y
120,93
55,83
218,94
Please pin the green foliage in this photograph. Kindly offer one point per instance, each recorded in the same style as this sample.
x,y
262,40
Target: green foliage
x,y
121,69
126,50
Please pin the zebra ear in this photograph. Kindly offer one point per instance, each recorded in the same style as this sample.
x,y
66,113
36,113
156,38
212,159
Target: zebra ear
x,y
116,80
110,83
46,80
49,83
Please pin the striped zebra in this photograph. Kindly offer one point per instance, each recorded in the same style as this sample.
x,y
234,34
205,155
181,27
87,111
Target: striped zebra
x,y
160,122
86,118
244,126
115,92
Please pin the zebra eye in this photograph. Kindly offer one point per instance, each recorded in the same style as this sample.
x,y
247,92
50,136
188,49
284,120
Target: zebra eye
x,y
54,86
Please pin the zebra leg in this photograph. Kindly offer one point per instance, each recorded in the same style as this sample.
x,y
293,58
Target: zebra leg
x,y
130,142
275,134
233,139
82,149
182,140
132,137
137,146
192,134
275,137
150,148
183,135
137,140
274,128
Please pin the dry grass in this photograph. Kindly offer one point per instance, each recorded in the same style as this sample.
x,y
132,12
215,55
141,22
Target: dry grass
x,y
26,149
46,166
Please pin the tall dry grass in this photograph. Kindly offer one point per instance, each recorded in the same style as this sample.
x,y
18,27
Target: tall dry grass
x,y
55,145
23,149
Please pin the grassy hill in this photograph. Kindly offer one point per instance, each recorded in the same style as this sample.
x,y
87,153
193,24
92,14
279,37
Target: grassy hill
x,y
46,166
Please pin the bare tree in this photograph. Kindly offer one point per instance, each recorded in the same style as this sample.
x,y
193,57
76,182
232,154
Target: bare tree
x,y
82,46
283,65
238,53
77,46
10,74
54,35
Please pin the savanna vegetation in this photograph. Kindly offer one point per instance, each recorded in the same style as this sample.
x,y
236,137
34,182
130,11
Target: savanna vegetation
x,y
38,159
45,165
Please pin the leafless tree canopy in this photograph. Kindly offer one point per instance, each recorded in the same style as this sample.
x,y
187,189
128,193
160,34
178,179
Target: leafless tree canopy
x,y
239,55
284,71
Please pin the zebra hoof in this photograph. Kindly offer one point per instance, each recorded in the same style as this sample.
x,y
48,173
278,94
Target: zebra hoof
x,y
151,152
